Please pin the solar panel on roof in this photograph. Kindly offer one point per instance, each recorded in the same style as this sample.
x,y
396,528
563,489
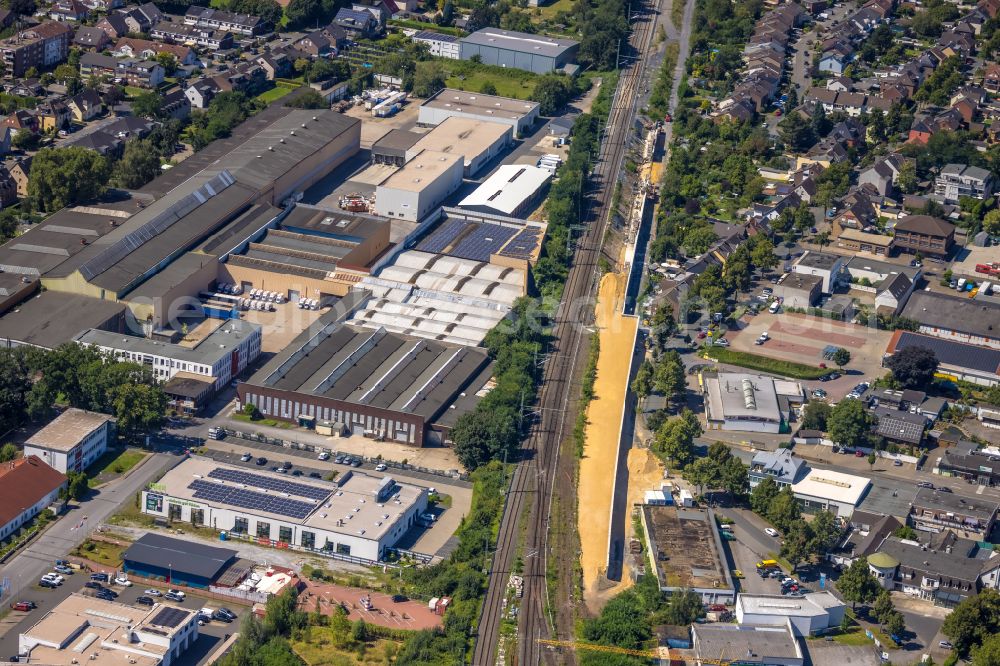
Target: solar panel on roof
x,y
443,236
269,483
487,239
169,617
249,499
523,244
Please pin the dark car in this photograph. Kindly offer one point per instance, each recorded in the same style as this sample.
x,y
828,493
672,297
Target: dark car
x,y
944,489
315,475
145,601
103,577
93,585
47,583
228,613
286,465
397,598
221,617
296,472
356,462
262,460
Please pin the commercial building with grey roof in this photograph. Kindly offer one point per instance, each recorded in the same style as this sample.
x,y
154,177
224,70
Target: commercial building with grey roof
x,y
748,645
972,363
975,322
448,103
51,319
530,52
376,383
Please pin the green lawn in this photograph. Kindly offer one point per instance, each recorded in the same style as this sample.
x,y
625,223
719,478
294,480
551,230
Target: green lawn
x,y
132,91
274,94
765,363
550,10
237,416
101,552
112,464
506,87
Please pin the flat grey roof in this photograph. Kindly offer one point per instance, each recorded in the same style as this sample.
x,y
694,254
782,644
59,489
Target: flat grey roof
x,y
819,260
236,232
957,564
53,318
800,281
174,274
964,315
157,550
395,142
721,641
523,42
978,506
214,347
68,429
478,103
955,354
353,227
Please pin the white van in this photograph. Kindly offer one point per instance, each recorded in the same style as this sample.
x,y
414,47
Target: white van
x,y
775,306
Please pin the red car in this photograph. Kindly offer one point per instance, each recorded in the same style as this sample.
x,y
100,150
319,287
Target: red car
x,y
667,118
859,454
22,606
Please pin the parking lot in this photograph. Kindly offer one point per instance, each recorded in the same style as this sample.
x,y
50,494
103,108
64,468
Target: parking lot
x,y
210,635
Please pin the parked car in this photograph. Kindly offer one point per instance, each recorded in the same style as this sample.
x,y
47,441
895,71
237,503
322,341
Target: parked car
x,y
93,585
925,484
428,516
897,463
145,601
315,475
152,592
123,580
296,472
261,461
946,644
226,612
246,457
339,460
720,342
45,582
771,532
170,596
356,462
23,606
859,454
221,617
63,569
381,467
54,576
944,489
178,593
761,339
323,456
819,393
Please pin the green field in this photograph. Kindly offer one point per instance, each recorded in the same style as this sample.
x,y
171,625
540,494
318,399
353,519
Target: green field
x,y
113,463
470,76
765,363
274,94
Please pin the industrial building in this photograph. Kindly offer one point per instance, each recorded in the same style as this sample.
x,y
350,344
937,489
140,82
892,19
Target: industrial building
x,y
72,441
394,147
50,319
370,381
827,490
532,53
799,290
478,141
752,403
701,565
958,360
28,486
809,615
178,561
420,186
521,115
970,321
218,350
824,265
513,190
754,645
357,515
87,630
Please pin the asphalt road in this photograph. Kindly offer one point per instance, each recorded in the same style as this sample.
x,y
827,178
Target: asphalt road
x,y
62,536
210,635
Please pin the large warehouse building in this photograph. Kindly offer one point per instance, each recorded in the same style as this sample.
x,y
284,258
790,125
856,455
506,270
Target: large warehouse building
x,y
478,141
356,515
420,186
372,381
450,103
751,403
513,190
177,561
521,50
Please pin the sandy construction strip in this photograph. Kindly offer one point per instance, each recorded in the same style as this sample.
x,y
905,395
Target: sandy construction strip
x,y
604,416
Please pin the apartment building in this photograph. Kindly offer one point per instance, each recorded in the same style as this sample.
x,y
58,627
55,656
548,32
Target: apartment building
x,y
969,518
924,234
960,180
43,45
216,19
72,441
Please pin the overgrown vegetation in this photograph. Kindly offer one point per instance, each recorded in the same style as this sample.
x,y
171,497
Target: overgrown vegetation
x,y
766,364
586,394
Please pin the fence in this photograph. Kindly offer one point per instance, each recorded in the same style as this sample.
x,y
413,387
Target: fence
x,y
248,596
301,446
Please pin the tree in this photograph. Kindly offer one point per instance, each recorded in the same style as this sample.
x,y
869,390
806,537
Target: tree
x,y
991,222
907,178
906,532
25,140
974,620
883,607
668,375
302,13
8,452
797,544
825,532
168,61
483,435
488,88
762,495
763,256
447,16
77,485
622,623
698,239
25,7
359,631
643,382
683,608
841,357
428,78
310,99
872,458
675,438
815,415
784,509
148,104
987,654
139,408
797,132
139,164
912,367
63,177
849,423
552,91
895,624
857,584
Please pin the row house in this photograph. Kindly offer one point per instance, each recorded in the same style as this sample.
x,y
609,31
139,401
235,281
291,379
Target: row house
x,y
129,47
182,33
129,71
216,19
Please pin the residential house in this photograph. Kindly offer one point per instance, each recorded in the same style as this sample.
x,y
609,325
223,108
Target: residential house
x,y
884,173
216,19
103,6
176,104
43,45
315,44
966,461
68,10
856,212
991,78
54,115
182,33
132,72
900,427
441,45
969,518
357,24
91,38
129,47
836,58
856,240
382,10
85,106
100,142
336,35
840,84
21,120
141,18
275,64
201,92
19,170
929,236
960,180
114,26
865,533
825,265
780,465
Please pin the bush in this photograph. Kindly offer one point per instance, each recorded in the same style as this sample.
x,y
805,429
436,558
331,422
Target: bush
x,y
767,364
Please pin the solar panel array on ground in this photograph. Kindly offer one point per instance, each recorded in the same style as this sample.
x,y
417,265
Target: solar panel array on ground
x,y
248,499
485,240
523,245
269,483
443,236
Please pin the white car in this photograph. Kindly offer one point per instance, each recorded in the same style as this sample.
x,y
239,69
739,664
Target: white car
x,y
123,581
177,593
53,576
245,457
429,517
381,467
771,532
151,592
720,342
762,338
323,456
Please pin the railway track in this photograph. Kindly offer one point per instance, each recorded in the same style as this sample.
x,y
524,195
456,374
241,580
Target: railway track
x,y
531,486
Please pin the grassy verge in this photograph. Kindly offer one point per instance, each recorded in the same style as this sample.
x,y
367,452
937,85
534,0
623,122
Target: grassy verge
x,y
113,463
274,94
677,13
25,532
237,416
659,100
586,394
765,363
